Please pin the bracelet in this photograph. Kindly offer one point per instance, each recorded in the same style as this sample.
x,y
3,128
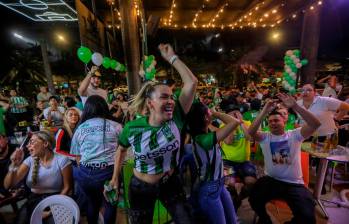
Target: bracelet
x,y
12,169
173,59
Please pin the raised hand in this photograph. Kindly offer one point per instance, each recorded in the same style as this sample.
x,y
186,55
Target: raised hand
x,y
166,51
269,106
287,100
17,157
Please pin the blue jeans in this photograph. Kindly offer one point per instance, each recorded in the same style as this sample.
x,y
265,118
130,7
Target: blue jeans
x,y
91,183
215,202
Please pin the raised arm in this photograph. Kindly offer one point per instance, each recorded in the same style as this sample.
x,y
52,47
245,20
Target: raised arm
x,y
17,170
230,124
190,82
323,79
253,129
312,123
86,82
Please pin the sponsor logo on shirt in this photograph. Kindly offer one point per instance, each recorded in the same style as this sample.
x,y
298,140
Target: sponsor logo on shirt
x,y
154,154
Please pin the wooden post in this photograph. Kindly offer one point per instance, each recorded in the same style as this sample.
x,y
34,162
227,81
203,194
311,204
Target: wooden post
x,y
130,40
310,44
47,67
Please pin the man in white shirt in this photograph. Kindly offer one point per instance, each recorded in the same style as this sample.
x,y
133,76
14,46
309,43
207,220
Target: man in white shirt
x,y
324,108
332,87
90,85
282,153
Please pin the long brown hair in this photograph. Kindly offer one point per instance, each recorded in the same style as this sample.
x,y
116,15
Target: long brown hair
x,y
47,138
66,123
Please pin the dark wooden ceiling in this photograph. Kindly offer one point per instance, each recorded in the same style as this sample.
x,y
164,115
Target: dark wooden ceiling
x,y
235,13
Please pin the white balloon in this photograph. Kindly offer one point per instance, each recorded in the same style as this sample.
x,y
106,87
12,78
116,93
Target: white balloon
x,y
298,65
118,67
293,75
141,72
288,70
297,60
293,57
97,59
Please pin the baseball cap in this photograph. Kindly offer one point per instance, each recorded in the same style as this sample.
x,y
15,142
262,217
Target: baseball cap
x,y
97,73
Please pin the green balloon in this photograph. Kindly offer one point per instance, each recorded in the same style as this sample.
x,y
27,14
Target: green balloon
x,y
292,82
297,53
304,62
149,60
149,76
84,54
122,68
106,62
286,58
113,64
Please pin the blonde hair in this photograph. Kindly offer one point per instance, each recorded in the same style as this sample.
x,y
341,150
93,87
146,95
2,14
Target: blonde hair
x,y
46,137
138,103
65,120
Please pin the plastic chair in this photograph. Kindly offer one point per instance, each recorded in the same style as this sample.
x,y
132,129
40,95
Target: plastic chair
x,y
278,203
64,210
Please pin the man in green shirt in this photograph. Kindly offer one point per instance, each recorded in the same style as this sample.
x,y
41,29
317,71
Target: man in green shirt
x,y
3,108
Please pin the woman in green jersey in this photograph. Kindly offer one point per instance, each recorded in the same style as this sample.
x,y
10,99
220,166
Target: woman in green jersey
x,y
155,141
212,197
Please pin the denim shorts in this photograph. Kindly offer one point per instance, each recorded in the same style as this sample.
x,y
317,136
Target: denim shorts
x,y
242,170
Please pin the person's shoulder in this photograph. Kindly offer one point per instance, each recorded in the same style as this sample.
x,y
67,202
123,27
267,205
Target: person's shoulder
x,y
61,159
139,122
115,124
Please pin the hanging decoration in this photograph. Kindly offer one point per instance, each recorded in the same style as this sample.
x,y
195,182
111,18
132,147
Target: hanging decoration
x,y
85,55
147,68
292,63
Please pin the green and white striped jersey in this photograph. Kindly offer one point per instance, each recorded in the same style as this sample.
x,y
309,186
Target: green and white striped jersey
x,y
208,156
156,149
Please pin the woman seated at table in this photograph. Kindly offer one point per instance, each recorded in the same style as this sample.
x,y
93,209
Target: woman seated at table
x,y
54,113
65,134
46,173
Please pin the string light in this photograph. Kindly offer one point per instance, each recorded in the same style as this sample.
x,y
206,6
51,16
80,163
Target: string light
x,y
173,5
262,17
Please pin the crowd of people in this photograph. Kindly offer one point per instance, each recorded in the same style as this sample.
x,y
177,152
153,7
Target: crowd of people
x,y
78,144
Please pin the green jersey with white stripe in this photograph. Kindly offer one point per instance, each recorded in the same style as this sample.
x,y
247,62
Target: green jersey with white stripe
x,y
156,149
208,157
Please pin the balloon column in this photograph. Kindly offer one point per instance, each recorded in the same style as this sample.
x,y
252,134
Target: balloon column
x,y
147,68
292,64
85,55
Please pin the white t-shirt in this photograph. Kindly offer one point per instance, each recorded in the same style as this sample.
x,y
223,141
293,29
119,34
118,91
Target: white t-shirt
x,y
56,116
92,91
330,92
50,179
324,109
282,156
96,143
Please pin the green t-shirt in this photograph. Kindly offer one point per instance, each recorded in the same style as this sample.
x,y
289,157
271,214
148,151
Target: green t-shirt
x,y
156,149
2,123
208,156
250,115
240,149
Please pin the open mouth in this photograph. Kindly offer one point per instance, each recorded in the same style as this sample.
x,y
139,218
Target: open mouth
x,y
168,109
